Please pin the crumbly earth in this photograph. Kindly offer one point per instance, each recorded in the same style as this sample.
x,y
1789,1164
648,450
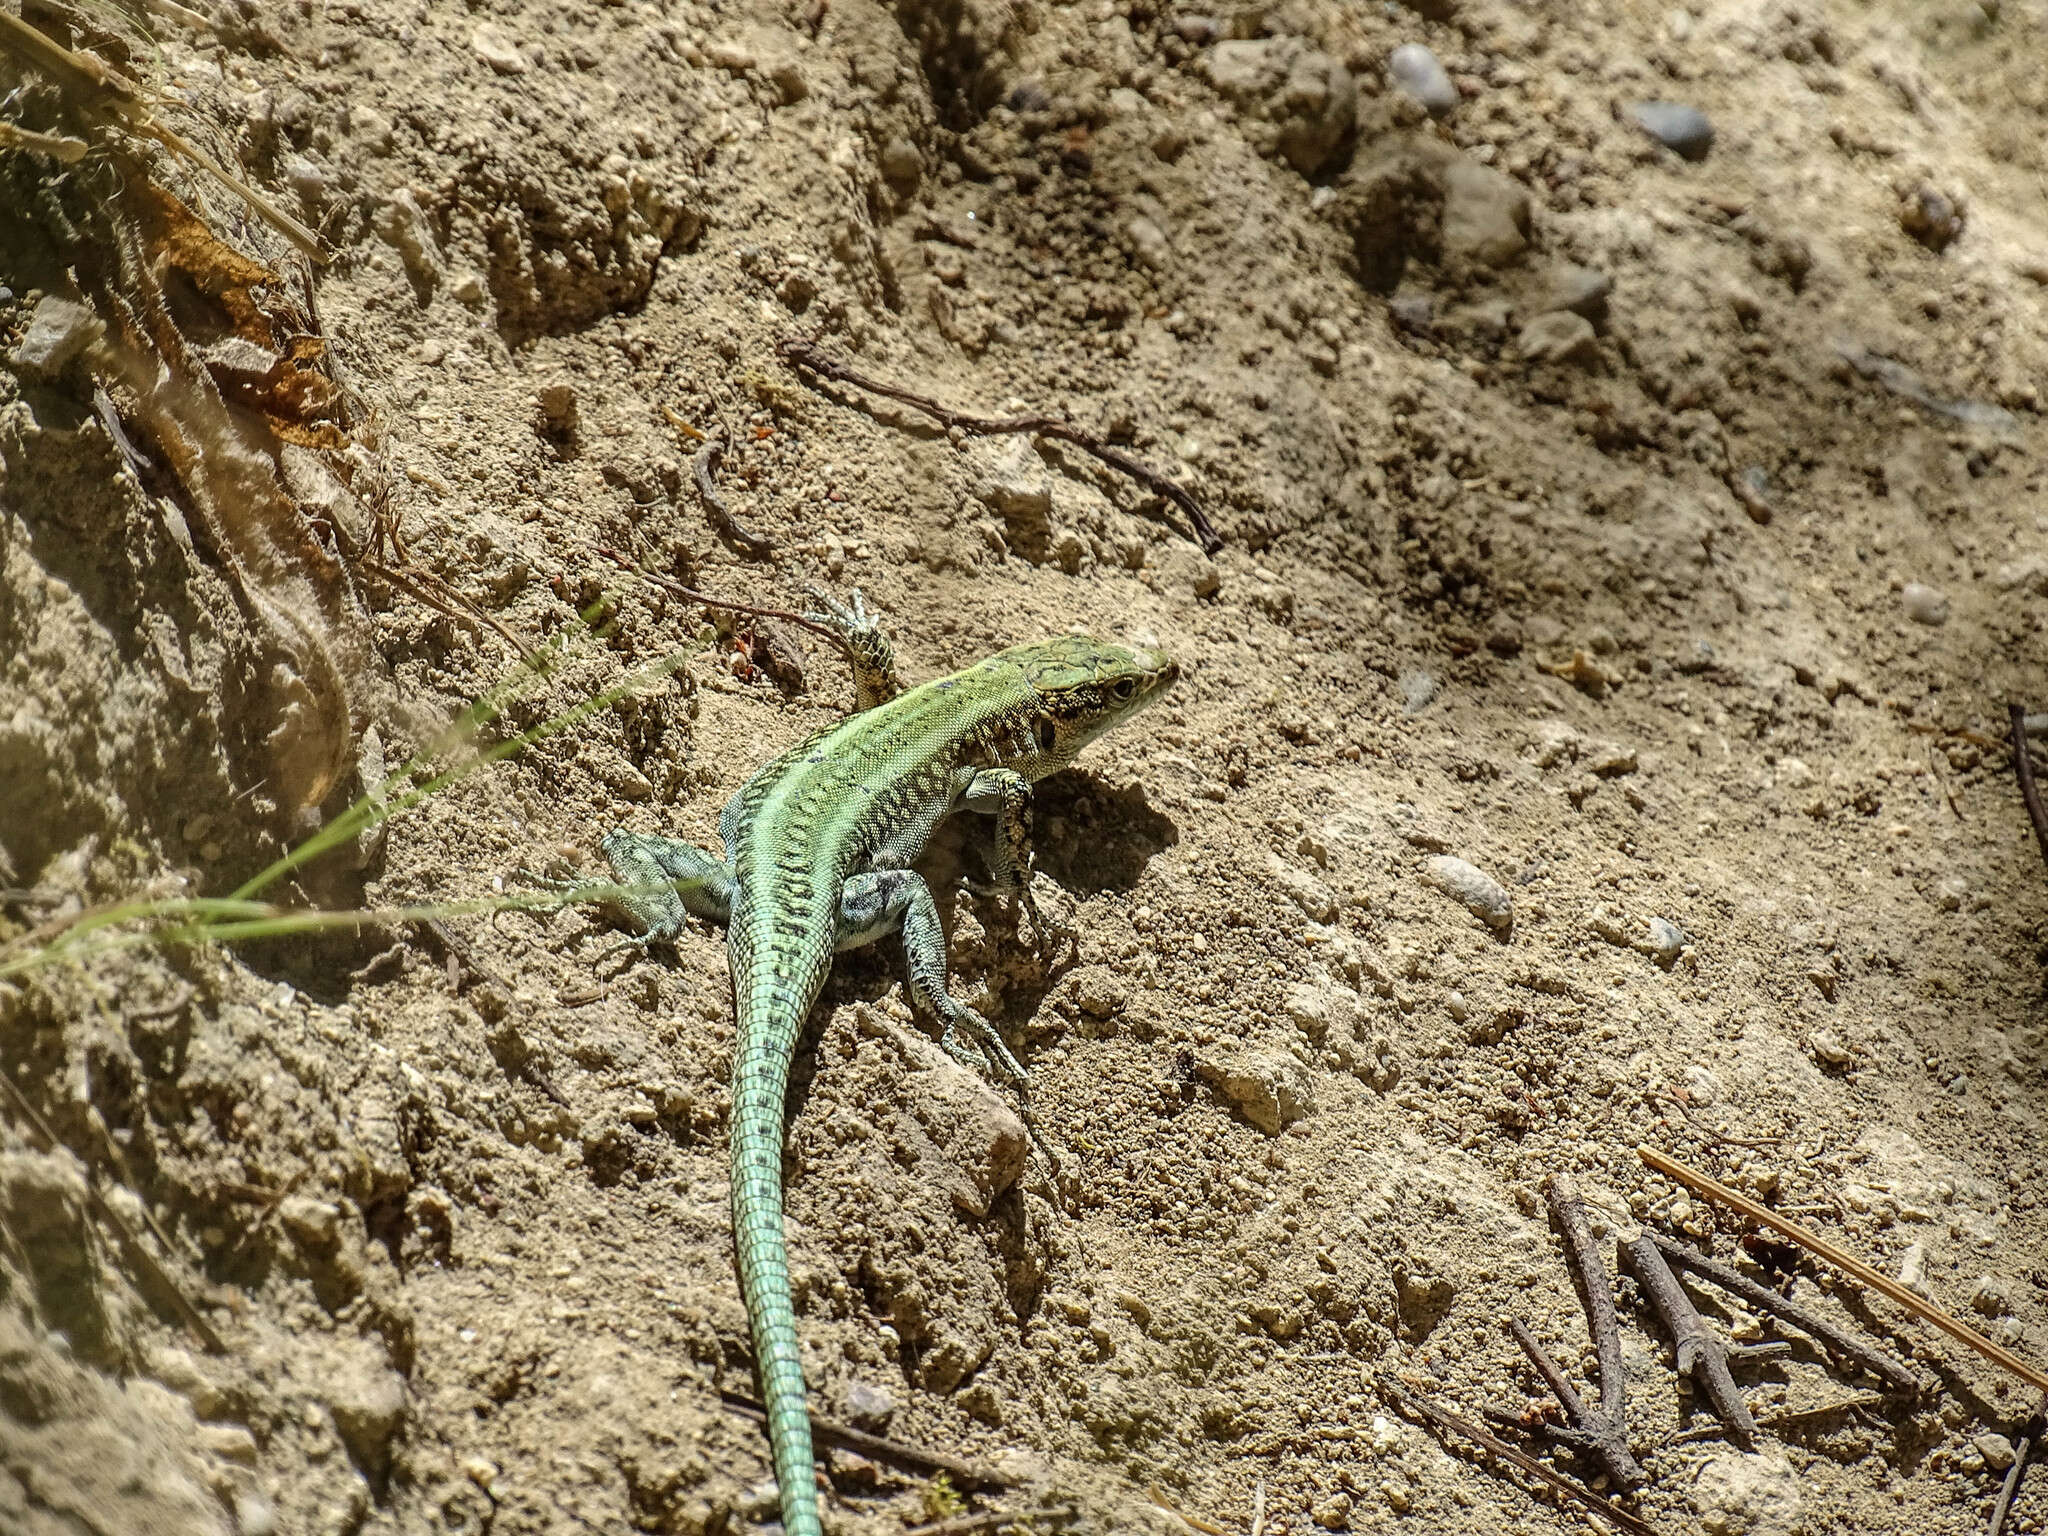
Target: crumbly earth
x,y
1687,613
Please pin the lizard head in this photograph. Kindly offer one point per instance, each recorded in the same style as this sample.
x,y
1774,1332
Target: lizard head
x,y
1085,686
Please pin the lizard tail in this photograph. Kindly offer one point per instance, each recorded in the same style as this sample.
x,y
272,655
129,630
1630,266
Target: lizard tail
x,y
767,1036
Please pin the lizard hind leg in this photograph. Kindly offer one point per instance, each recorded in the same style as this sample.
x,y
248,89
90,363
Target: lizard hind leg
x,y
667,881
898,900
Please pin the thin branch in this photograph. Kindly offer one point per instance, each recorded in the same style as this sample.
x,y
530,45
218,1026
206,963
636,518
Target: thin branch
x,y
1839,1342
967,1525
670,584
1701,1355
801,354
703,465
2023,765
965,1472
2028,1444
1443,1418
1692,1119
1849,1265
1601,1432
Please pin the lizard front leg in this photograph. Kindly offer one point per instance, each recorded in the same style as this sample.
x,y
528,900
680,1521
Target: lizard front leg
x,y
898,900
869,651
1005,794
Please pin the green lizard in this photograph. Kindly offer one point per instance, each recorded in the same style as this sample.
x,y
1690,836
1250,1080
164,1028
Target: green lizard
x,y
818,851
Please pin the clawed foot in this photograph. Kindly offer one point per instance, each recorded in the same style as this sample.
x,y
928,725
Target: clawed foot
x,y
1046,934
974,1042
573,890
850,620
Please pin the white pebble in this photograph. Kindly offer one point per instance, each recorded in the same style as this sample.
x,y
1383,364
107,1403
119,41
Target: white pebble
x,y
1416,70
1925,604
1472,888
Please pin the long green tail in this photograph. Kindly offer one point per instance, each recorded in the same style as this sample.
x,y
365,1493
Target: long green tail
x,y
771,1005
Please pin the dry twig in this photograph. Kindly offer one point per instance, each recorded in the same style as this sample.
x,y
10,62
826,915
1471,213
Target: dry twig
x,y
2023,765
1443,1418
703,465
670,584
802,355
1600,1432
988,1520
1671,1096
1700,1354
2028,1443
1839,1342
1847,1263
966,1473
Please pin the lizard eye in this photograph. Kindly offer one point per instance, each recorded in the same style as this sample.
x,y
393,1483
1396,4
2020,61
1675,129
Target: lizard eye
x,y
1123,688
1048,733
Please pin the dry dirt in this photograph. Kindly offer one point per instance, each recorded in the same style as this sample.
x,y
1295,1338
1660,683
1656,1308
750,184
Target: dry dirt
x,y
1625,609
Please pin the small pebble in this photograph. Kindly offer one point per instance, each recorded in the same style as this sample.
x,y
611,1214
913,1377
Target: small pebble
x,y
1686,131
1996,1450
1666,941
1414,312
58,331
1270,1088
1925,604
497,49
1913,1268
1990,1296
1472,888
868,1406
1931,218
1828,1049
901,161
255,1515
1418,688
1582,290
1559,337
1416,70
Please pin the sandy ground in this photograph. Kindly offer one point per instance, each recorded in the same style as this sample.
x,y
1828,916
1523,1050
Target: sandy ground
x,y
1660,533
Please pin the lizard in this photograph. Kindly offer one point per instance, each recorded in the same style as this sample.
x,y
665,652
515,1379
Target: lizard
x,y
819,846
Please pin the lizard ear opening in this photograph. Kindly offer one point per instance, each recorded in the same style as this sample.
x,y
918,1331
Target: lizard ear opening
x,y
1048,733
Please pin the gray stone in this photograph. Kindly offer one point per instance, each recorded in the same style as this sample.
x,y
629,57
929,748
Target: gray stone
x,y
1996,1450
1418,72
1931,218
1559,337
57,332
1414,312
1581,290
1418,689
869,1407
1472,888
1685,131
1486,214
1925,604
496,48
1664,941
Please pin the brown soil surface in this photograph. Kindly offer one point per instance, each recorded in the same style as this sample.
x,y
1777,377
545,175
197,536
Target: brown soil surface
x,y
1662,536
